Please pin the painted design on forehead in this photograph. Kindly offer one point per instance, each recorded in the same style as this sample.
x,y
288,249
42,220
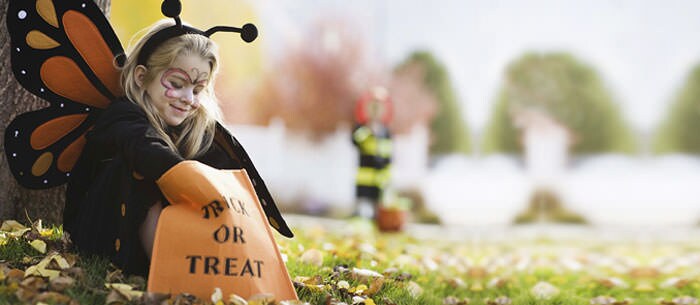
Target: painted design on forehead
x,y
199,75
170,90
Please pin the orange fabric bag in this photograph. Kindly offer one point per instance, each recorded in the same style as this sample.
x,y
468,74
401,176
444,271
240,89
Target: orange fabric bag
x,y
225,243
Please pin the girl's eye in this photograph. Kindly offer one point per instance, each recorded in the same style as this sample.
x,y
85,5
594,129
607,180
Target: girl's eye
x,y
197,90
176,85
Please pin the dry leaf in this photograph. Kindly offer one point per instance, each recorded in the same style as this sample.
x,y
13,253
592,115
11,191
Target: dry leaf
x,y
116,298
52,298
61,283
235,299
414,289
312,257
126,290
11,226
39,245
217,296
375,285
262,299
154,298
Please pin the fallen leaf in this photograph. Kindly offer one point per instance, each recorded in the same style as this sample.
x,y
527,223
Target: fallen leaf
x,y
217,296
60,283
312,257
235,299
544,290
262,299
375,285
126,290
184,299
414,289
11,226
154,298
502,300
115,276
116,298
39,245
52,298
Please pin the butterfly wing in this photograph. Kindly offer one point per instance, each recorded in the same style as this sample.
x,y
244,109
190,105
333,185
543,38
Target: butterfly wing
x,y
66,53
234,150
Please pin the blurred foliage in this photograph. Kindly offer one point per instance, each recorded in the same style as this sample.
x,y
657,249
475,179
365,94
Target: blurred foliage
x,y
314,84
414,102
546,206
679,130
449,131
565,88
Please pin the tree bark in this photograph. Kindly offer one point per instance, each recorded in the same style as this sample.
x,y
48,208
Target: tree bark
x,y
17,202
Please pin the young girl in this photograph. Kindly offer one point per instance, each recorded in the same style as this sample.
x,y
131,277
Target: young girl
x,y
169,115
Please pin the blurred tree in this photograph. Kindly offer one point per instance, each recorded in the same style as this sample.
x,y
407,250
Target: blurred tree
x,y
568,90
449,131
314,85
414,102
679,130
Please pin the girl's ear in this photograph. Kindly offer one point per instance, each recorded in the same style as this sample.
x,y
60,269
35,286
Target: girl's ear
x,y
140,75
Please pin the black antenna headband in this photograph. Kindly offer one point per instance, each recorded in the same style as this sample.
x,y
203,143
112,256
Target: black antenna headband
x,y
172,9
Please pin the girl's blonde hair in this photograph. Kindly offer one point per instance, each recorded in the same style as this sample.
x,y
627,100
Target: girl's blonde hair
x,y
196,133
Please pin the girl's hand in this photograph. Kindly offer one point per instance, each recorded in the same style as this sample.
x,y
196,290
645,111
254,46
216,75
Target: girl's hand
x,y
195,183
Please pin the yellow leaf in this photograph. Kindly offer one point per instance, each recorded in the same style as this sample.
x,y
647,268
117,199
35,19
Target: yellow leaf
x,y
62,263
46,232
360,289
11,226
125,290
41,271
234,299
39,245
369,301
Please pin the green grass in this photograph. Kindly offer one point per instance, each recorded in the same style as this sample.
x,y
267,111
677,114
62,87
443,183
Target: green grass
x,y
480,270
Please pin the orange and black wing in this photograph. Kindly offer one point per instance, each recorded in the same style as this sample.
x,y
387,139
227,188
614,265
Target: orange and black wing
x,y
65,52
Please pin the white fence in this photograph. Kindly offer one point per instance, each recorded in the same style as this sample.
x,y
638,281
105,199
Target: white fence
x,y
608,190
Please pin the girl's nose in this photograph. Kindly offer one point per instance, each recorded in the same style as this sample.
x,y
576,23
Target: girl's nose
x,y
188,97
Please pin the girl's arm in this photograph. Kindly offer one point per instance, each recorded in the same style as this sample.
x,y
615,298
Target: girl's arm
x,y
124,129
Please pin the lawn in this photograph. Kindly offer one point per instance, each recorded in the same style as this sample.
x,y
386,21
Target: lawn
x,y
348,261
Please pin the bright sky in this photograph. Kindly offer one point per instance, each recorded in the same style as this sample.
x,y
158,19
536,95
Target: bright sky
x,y
643,49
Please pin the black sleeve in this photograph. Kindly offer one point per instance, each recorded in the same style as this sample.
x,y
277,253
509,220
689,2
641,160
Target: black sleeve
x,y
125,129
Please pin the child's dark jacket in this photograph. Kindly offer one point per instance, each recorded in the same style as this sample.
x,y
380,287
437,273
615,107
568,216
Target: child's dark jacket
x,y
113,184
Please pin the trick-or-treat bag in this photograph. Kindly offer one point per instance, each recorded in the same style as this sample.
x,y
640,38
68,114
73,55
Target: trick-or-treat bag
x,y
215,235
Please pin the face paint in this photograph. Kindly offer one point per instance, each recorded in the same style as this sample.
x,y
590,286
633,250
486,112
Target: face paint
x,y
177,96
172,91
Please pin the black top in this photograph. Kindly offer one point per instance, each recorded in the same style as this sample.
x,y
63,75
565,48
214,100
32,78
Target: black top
x,y
112,185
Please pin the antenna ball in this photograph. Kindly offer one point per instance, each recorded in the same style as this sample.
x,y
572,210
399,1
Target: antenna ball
x,y
171,8
249,32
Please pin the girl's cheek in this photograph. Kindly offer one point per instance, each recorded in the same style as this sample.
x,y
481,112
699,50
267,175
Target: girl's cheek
x,y
171,93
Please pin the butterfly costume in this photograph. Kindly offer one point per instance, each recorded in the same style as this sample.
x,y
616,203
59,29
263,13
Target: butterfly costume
x,y
91,136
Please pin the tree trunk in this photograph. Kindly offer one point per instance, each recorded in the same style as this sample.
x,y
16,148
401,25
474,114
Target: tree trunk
x,y
17,202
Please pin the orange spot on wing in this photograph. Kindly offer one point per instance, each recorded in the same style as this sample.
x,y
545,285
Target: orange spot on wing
x,y
92,47
71,154
42,164
39,40
52,131
63,76
47,11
